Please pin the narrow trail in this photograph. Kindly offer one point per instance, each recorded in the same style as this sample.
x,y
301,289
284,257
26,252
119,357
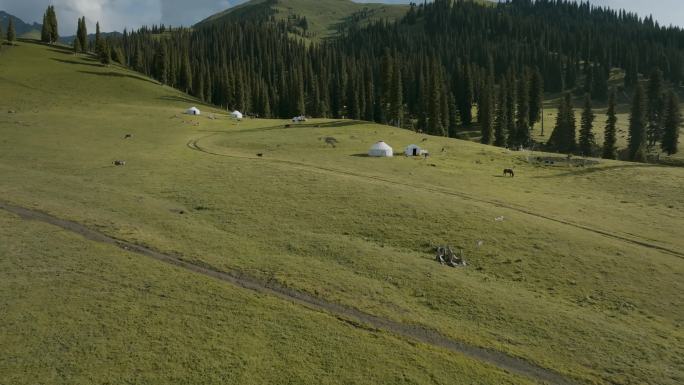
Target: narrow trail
x,y
347,314
194,145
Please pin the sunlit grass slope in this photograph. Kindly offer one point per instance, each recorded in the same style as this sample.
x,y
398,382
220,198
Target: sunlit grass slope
x,y
583,275
324,16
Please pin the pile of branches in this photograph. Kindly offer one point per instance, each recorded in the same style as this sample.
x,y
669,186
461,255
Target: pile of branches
x,y
446,256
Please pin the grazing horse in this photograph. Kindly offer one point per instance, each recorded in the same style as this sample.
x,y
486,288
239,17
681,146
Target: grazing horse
x,y
508,172
260,155
128,136
119,162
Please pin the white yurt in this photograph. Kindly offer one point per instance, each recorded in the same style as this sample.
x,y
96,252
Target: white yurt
x,y
381,149
236,115
413,150
193,111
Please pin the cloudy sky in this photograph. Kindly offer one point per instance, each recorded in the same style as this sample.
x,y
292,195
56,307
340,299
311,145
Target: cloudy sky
x,y
117,14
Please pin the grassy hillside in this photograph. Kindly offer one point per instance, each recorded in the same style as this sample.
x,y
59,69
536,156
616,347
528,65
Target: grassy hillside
x,y
583,274
325,17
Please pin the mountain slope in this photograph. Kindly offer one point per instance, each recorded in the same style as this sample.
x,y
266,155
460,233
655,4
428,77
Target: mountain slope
x,y
22,28
96,313
579,273
324,17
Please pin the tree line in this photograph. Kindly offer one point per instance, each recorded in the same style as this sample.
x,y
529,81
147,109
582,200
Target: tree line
x,y
427,71
654,124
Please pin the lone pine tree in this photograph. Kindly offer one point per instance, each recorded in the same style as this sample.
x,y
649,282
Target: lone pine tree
x,y
610,133
672,124
586,137
11,34
637,126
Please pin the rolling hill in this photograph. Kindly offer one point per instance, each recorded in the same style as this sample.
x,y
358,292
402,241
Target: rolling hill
x,y
325,17
201,262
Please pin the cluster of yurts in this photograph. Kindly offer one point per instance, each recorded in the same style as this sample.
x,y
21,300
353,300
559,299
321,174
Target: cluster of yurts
x,y
383,150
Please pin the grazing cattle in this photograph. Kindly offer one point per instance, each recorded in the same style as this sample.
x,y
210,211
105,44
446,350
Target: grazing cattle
x,y
260,155
119,162
508,172
128,136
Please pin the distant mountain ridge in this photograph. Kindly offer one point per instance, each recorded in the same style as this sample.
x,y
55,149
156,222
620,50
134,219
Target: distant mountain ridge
x,y
22,28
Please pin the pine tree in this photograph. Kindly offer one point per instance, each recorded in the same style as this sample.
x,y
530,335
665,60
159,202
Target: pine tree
x,y
563,137
82,34
387,83
610,134
435,104
98,37
511,102
655,107
586,137
485,112
672,124
637,126
536,96
53,30
396,97
138,64
185,74
522,131
105,53
161,66
466,107
501,120
11,34
45,31
453,116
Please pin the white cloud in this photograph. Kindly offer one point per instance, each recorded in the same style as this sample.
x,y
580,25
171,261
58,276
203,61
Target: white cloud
x,y
112,14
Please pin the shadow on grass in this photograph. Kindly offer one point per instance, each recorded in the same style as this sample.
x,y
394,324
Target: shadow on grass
x,y
62,51
360,155
117,75
76,62
178,98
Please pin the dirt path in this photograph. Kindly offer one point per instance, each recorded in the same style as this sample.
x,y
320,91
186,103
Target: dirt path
x,y
194,145
347,314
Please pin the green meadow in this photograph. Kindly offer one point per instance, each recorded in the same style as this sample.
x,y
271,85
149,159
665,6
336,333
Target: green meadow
x,y
576,269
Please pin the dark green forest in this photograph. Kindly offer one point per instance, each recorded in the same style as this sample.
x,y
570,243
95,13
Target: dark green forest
x,y
428,70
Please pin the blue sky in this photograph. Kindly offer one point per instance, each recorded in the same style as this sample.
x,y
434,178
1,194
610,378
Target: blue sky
x,y
117,14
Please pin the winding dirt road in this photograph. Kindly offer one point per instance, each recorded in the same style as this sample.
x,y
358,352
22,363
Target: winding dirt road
x,y
421,334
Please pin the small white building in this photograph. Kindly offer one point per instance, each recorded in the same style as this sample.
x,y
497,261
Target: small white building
x,y
413,150
298,119
193,111
381,150
236,115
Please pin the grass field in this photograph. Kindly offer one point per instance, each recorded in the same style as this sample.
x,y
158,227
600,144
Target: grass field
x,y
583,276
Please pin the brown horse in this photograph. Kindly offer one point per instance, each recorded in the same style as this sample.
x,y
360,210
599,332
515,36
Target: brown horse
x,y
508,172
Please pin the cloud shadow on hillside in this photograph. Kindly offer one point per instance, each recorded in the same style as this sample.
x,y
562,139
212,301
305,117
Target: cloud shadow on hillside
x,y
118,75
